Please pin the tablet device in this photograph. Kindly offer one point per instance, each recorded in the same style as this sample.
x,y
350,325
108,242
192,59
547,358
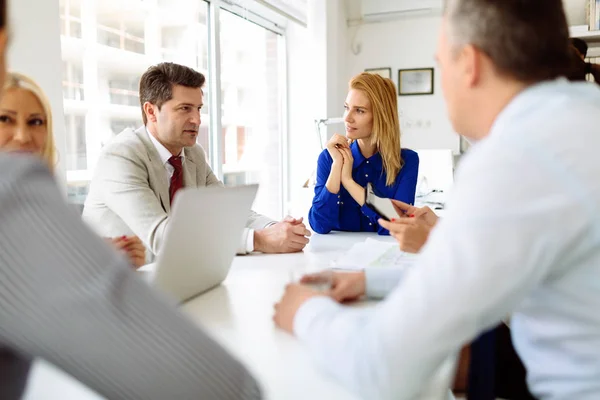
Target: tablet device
x,y
381,206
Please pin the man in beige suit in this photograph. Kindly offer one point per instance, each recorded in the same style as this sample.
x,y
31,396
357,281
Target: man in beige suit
x,y
139,172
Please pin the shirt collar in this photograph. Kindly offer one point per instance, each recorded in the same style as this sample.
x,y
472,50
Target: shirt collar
x,y
359,158
526,101
164,154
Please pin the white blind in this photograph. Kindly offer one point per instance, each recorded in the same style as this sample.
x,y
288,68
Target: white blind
x,y
293,10
296,9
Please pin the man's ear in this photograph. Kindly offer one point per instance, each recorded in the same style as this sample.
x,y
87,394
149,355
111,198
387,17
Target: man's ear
x,y
150,111
471,61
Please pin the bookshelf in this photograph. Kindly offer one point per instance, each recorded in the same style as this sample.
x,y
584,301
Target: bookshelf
x,y
591,37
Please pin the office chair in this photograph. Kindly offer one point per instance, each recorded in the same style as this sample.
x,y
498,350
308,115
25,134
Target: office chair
x,y
495,369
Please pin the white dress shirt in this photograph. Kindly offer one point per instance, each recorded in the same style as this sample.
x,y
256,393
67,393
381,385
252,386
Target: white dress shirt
x,y
521,235
165,155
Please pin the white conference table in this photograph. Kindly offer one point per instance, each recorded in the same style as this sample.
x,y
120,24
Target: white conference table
x,y
238,314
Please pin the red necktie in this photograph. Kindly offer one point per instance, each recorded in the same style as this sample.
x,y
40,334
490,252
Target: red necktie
x,y
176,178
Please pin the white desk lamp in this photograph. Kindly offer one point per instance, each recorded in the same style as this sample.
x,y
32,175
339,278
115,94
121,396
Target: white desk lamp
x,y
319,123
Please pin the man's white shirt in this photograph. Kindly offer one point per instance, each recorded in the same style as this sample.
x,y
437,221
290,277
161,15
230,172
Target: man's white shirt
x,y
165,155
521,235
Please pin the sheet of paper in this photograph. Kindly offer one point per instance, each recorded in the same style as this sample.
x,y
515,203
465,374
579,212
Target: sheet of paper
x,y
374,253
394,257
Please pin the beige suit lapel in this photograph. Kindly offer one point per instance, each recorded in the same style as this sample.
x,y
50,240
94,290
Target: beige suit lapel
x,y
156,169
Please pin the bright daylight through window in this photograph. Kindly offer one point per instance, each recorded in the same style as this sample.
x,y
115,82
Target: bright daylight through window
x,y
108,44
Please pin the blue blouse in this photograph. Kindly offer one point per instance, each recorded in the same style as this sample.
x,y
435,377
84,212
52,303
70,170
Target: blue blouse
x,y
341,212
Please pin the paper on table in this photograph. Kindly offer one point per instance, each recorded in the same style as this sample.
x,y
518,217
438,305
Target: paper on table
x,y
374,253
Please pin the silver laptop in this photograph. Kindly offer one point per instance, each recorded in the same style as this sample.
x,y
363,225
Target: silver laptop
x,y
201,240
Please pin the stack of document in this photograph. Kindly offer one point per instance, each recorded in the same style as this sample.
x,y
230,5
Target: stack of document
x,y
374,253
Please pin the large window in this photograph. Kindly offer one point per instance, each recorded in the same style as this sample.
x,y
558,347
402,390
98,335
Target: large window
x,y
70,19
76,146
107,45
73,81
250,83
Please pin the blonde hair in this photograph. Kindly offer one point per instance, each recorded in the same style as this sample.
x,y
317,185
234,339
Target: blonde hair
x,y
381,92
14,80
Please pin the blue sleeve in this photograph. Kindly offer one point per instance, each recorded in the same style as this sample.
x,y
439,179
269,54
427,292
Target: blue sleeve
x,y
407,178
370,213
324,214
407,181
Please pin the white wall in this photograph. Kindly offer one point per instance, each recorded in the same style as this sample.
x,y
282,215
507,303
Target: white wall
x,y
316,65
338,76
411,43
404,44
305,59
575,11
34,50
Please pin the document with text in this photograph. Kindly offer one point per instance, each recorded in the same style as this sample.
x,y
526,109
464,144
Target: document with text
x,y
374,253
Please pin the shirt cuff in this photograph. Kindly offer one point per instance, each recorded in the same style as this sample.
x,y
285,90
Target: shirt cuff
x,y
369,212
309,311
326,199
247,235
249,238
380,281
250,241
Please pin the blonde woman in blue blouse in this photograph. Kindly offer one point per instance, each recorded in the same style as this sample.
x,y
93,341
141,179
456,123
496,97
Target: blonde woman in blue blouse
x,y
369,153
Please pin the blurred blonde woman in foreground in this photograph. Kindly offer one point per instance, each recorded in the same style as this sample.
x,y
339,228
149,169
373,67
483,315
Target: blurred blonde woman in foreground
x,y
26,126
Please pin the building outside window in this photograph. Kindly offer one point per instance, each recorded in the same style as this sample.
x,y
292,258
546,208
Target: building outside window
x,y
108,44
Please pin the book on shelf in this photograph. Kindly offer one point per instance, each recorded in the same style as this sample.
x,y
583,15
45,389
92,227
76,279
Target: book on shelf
x,y
592,14
575,29
591,60
597,16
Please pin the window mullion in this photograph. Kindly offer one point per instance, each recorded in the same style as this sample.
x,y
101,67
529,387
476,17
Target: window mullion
x,y
214,66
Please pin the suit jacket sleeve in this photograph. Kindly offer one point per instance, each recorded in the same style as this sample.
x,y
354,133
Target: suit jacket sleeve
x,y
255,221
126,192
67,297
211,178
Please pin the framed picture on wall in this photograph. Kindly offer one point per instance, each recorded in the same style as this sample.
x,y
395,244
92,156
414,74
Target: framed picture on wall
x,y
413,82
384,72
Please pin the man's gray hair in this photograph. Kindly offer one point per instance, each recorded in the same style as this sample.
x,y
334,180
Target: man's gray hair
x,y
525,39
